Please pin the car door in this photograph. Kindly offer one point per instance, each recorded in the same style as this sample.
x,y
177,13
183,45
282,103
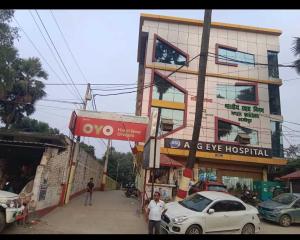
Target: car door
x,y
236,214
295,211
217,221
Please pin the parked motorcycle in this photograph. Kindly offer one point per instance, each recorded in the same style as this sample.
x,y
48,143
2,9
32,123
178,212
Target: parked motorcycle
x,y
250,197
131,191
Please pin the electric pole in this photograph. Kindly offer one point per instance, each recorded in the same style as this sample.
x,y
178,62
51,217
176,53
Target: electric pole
x,y
188,171
103,182
75,149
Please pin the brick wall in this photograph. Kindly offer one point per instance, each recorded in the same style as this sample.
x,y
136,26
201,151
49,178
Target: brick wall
x,y
52,175
86,167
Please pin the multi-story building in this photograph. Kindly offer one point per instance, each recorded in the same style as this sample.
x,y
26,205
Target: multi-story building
x,y
240,135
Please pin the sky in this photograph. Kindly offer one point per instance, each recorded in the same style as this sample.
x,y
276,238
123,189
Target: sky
x,y
104,44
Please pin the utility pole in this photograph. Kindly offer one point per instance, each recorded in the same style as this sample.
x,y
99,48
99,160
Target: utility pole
x,y
155,147
188,171
103,182
75,149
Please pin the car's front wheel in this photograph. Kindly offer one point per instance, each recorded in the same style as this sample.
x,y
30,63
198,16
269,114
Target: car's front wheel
x,y
194,229
248,229
2,221
285,220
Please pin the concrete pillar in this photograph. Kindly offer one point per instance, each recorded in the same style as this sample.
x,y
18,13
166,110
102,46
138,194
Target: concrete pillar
x,y
265,174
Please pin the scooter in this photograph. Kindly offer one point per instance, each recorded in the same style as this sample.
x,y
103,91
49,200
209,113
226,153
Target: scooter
x,y
131,191
250,197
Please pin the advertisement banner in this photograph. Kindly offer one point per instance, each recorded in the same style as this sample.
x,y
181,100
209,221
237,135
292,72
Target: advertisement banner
x,y
111,126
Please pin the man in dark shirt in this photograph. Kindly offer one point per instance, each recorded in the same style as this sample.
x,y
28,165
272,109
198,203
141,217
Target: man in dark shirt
x,y
89,192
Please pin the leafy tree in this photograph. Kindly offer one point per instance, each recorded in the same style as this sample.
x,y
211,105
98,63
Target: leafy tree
x,y
120,164
296,50
27,124
20,79
88,148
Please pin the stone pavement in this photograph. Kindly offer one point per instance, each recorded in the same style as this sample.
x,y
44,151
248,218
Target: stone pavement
x,y
111,212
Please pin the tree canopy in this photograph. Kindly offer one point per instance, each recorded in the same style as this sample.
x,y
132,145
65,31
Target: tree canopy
x,y
27,124
120,164
296,50
88,148
20,79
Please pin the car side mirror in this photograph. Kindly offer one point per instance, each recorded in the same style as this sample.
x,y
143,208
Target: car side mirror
x,y
211,211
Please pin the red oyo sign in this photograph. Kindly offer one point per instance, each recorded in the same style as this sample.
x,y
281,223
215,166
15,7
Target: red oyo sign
x,y
111,129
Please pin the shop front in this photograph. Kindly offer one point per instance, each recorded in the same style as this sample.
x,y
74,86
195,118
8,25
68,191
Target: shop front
x,y
166,178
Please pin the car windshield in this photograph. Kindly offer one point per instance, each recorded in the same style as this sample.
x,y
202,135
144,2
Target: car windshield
x,y
196,202
217,188
285,198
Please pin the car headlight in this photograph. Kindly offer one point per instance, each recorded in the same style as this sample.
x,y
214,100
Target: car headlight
x,y
179,220
276,210
10,203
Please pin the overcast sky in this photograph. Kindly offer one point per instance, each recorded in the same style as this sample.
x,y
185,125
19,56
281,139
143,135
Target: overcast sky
x,y
104,42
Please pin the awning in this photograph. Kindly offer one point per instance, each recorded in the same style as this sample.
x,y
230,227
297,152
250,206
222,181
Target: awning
x,y
294,175
169,162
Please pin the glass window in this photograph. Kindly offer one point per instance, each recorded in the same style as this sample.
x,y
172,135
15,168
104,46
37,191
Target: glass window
x,y
165,53
246,93
273,64
235,206
196,202
274,99
231,56
163,90
276,137
220,206
285,198
237,92
177,116
228,132
237,183
297,204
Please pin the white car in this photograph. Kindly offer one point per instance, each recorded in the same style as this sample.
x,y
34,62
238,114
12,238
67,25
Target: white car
x,y
210,212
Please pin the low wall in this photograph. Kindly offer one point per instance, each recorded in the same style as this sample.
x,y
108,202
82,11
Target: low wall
x,y
111,184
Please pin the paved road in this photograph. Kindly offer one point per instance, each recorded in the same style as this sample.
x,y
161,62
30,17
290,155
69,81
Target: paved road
x,y
111,213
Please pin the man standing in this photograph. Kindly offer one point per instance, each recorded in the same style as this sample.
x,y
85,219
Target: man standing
x,y
89,192
156,208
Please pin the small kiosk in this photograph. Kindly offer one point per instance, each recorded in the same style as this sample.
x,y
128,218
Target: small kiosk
x,y
166,178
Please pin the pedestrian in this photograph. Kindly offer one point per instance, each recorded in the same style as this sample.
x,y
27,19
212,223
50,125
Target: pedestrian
x,y
156,208
89,192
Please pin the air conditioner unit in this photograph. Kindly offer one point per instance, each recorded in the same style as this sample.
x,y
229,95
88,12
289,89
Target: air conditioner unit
x,y
167,124
243,138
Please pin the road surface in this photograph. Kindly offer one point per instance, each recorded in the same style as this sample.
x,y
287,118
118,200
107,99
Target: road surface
x,y
111,213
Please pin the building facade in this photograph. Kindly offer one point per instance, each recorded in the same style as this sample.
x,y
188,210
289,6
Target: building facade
x,y
240,135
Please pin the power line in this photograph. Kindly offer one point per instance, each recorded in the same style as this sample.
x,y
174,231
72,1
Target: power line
x,y
38,51
68,46
58,54
53,54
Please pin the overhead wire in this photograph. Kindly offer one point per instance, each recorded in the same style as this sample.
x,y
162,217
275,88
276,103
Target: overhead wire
x,y
53,54
60,58
68,46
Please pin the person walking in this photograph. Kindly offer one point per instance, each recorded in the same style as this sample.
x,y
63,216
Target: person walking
x,y
89,192
156,208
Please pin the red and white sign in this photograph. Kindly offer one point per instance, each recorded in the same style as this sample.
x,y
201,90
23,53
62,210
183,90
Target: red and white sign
x,y
111,126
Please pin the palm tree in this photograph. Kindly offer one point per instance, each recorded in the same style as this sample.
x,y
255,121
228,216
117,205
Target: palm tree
x,y
296,50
